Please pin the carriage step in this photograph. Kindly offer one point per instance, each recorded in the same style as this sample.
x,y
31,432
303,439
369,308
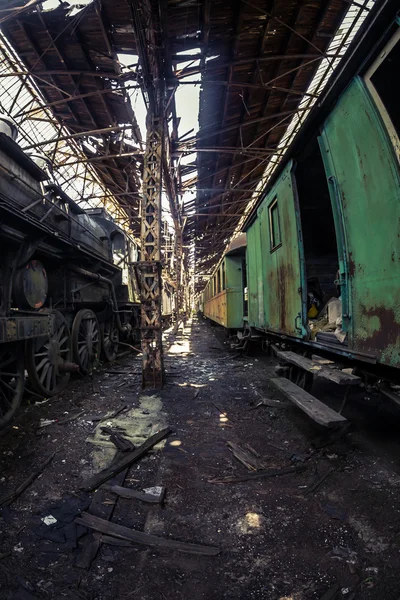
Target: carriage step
x,y
313,407
318,370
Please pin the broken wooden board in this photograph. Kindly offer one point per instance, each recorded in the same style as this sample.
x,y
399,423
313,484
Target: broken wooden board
x,y
139,537
129,458
128,493
317,369
9,498
121,442
261,474
314,408
246,457
99,507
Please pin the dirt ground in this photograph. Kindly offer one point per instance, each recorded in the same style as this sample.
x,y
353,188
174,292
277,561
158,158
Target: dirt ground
x,y
279,539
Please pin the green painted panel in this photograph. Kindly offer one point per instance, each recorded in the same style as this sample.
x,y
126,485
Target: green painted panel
x,y
255,283
365,174
281,258
234,291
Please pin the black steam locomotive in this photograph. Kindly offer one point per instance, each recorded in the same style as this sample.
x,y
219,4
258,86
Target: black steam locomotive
x,y
69,289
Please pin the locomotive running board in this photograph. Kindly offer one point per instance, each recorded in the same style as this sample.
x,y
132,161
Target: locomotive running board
x,y
313,407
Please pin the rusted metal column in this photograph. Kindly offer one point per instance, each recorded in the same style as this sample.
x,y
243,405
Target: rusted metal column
x,y
150,265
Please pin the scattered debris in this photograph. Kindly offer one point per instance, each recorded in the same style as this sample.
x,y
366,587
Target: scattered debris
x,y
49,520
335,512
46,422
71,418
103,508
261,474
125,461
155,496
121,442
9,498
247,458
139,537
332,593
95,385
319,481
104,416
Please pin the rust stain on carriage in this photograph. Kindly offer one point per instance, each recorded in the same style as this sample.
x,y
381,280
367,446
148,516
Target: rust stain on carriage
x,y
383,333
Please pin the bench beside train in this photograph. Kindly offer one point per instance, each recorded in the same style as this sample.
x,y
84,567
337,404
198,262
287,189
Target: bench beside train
x,y
323,244
69,289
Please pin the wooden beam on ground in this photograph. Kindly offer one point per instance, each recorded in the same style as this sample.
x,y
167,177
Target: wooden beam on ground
x,y
125,461
314,408
129,494
261,474
145,539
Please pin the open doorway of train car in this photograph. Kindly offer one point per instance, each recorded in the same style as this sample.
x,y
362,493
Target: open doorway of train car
x,y
318,229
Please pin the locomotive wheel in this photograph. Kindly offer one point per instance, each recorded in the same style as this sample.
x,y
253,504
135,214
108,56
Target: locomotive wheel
x,y
85,340
11,381
109,339
301,377
45,354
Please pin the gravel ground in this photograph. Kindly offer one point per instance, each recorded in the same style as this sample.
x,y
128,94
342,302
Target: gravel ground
x,y
278,540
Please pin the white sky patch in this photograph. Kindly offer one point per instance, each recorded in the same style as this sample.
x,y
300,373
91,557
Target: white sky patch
x,y
75,5
187,107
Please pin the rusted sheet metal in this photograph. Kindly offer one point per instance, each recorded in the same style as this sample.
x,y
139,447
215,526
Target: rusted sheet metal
x,y
367,174
13,329
281,304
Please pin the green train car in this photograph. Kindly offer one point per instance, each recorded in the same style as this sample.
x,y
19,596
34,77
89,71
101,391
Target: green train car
x,y
223,300
323,243
321,284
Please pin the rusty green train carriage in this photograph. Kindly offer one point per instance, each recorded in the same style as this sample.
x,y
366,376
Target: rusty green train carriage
x,y
323,242
223,299
326,233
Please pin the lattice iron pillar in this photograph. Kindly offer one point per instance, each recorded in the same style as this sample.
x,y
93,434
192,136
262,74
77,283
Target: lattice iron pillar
x,y
150,265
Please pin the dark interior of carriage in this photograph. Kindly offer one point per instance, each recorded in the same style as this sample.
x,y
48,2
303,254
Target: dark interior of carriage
x,y
319,238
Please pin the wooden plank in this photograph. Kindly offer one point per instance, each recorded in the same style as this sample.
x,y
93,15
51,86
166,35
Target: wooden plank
x,y
247,458
96,480
260,474
139,537
128,493
9,498
313,407
317,369
99,507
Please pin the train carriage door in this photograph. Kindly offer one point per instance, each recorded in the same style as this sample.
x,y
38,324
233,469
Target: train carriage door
x,y
283,259
364,179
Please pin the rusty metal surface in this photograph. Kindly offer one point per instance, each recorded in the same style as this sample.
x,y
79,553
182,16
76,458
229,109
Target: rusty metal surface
x,y
150,265
275,290
16,328
368,182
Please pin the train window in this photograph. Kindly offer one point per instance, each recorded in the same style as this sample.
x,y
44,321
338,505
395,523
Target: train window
x,y
274,227
223,276
218,281
380,79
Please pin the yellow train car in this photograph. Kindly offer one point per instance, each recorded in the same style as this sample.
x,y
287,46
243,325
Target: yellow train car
x,y
223,298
